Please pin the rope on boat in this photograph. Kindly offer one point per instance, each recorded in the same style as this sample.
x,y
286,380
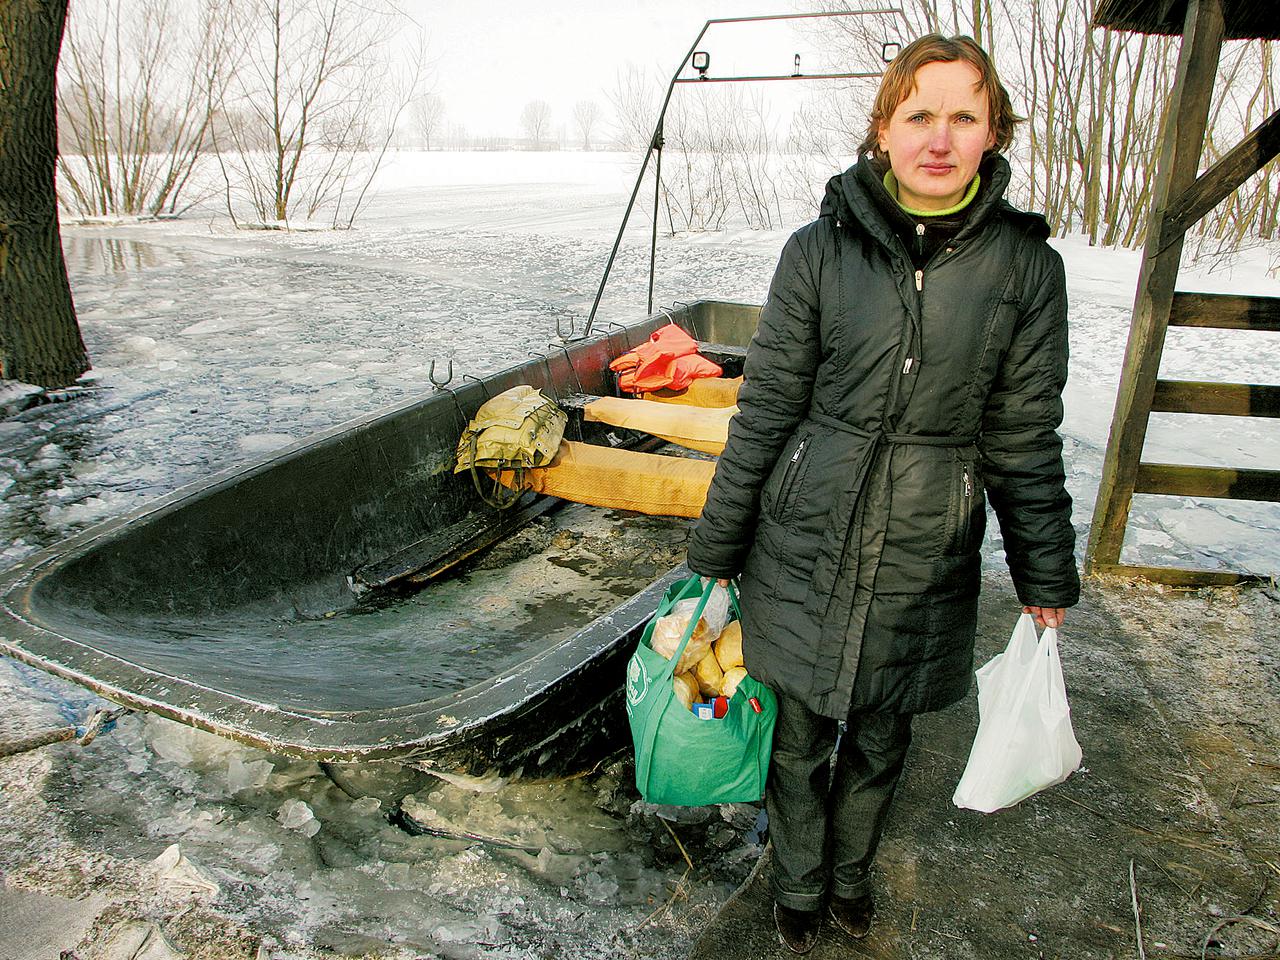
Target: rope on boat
x,y
97,723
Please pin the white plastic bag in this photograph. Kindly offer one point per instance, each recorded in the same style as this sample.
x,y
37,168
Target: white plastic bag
x,y
1024,742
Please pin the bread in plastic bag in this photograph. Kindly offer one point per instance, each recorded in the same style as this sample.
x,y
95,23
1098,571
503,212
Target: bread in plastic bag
x,y
668,631
686,686
732,677
728,648
709,675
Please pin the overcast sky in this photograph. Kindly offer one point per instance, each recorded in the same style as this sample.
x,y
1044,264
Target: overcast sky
x,y
493,58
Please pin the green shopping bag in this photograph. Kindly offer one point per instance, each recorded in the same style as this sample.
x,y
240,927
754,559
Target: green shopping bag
x,y
681,759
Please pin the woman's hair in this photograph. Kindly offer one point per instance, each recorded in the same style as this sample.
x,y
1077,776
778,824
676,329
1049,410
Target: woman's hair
x,y
900,79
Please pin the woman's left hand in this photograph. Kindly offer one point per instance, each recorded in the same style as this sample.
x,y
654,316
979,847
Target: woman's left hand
x,y
1047,616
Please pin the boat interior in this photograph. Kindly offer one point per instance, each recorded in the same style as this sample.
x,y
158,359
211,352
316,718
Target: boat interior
x,y
355,572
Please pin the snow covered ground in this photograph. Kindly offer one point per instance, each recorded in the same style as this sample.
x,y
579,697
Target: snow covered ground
x,y
211,345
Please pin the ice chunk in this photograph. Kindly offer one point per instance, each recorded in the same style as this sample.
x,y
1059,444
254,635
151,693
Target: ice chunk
x,y
16,395
487,783
49,455
598,889
140,346
180,875
212,325
296,815
486,930
187,746
250,775
138,940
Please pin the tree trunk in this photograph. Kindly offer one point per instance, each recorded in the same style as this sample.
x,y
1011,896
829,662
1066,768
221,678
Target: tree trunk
x,y
40,341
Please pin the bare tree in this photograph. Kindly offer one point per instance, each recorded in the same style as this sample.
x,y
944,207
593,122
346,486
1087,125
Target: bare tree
x,y
535,120
749,139
315,84
635,106
586,114
135,94
459,139
428,116
40,340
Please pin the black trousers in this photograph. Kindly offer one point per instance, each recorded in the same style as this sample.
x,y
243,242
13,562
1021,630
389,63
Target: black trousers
x,y
825,830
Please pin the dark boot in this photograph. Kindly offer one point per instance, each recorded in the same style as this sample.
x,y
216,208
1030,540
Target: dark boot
x,y
798,929
852,916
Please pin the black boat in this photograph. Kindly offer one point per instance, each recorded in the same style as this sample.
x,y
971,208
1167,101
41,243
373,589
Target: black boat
x,y
351,598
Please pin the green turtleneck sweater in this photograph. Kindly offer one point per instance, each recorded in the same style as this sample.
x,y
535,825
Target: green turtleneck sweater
x,y
891,185
923,232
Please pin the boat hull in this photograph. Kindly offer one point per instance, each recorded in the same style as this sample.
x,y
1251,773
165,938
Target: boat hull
x,y
234,605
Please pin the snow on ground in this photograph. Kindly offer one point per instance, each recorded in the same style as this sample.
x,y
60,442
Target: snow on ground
x,y
211,346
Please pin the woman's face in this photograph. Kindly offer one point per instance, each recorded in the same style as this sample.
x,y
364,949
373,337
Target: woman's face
x,y
937,135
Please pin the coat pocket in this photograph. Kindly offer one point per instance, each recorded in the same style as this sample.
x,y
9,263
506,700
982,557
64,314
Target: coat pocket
x,y
792,482
781,488
966,512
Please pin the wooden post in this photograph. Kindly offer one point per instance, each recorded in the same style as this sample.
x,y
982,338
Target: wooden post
x,y
1179,159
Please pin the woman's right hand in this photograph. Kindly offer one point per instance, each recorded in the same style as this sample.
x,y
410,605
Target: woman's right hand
x,y
1047,616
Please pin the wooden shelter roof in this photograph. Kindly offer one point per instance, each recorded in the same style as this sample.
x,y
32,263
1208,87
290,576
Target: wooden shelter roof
x,y
1244,19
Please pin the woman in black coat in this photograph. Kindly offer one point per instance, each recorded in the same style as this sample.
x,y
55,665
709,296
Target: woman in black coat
x,y
909,364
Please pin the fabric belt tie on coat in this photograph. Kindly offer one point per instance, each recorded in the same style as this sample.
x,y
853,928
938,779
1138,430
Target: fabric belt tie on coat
x,y
831,606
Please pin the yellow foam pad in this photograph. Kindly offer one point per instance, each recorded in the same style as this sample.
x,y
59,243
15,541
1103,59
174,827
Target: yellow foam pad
x,y
698,428
703,392
624,479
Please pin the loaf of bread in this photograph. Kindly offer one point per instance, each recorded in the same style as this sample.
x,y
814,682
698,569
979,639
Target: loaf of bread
x,y
728,649
732,677
686,686
709,675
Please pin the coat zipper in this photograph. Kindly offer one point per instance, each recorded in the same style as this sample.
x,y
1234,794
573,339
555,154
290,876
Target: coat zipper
x,y
966,510
911,361
789,478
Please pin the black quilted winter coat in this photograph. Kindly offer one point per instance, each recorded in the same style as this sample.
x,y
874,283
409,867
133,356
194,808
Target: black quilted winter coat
x,y
880,404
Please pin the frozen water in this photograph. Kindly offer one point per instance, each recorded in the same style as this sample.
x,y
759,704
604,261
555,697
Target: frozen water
x,y
211,346
179,874
247,775
296,815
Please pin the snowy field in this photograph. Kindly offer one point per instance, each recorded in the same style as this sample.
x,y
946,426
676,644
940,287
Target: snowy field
x,y
210,346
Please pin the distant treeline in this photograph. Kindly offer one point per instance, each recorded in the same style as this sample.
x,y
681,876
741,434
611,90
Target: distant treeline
x,y
295,102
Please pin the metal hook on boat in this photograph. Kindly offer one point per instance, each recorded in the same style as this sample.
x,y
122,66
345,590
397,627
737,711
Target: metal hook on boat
x,y
683,305
431,374
573,329
573,370
546,366
484,387
612,329
667,313
457,406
